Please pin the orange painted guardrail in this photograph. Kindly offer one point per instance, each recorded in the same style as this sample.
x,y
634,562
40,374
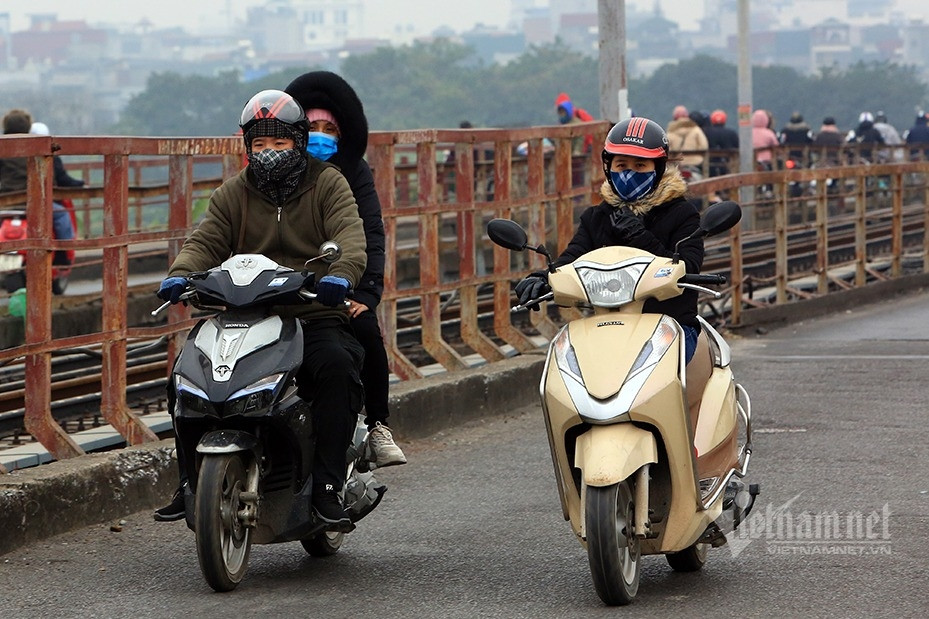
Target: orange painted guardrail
x,y
438,188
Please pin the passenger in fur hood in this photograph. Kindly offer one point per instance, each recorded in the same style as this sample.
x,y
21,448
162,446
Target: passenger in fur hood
x,y
644,207
339,135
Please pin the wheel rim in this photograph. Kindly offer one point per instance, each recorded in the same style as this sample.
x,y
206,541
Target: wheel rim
x,y
628,552
233,535
701,551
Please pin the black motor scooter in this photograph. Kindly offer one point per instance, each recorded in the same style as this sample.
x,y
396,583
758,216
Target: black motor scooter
x,y
238,410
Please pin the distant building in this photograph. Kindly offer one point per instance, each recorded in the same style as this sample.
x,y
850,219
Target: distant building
x,y
292,26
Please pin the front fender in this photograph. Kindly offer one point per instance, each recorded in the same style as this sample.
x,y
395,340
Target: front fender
x,y
228,441
609,454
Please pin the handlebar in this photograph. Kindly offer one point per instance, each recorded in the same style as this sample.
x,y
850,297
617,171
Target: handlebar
x,y
707,279
545,297
306,294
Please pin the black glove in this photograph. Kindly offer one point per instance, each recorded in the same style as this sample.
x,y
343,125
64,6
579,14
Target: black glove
x,y
332,290
626,226
172,288
532,287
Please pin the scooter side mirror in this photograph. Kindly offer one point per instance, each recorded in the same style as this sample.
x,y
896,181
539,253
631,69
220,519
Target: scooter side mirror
x,y
720,217
330,251
508,234
717,218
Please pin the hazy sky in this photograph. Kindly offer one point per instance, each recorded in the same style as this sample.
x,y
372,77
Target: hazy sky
x,y
194,14
382,17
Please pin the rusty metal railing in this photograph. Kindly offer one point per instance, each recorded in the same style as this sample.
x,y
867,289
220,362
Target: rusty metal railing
x,y
438,188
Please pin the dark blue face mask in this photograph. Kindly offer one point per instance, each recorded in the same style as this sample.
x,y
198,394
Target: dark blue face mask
x,y
322,145
631,185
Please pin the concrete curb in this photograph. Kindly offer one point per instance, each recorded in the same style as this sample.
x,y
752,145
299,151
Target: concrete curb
x,y
37,503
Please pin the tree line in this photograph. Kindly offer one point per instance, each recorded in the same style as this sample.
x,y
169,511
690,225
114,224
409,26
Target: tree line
x,y
441,83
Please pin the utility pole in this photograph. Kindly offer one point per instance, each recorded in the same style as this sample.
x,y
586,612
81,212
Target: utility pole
x,y
614,92
746,152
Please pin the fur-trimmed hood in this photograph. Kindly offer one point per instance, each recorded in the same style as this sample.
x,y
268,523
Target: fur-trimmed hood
x,y
329,91
672,185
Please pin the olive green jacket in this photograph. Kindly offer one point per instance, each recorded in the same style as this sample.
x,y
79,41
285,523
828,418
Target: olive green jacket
x,y
322,208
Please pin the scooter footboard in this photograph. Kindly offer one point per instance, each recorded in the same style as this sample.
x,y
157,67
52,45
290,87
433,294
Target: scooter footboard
x,y
609,454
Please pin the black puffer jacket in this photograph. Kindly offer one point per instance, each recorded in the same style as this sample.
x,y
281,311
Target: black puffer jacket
x,y
326,90
668,217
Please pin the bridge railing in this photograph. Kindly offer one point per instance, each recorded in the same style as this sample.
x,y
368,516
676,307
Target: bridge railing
x,y
438,189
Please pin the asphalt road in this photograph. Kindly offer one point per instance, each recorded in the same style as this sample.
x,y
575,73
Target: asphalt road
x,y
472,526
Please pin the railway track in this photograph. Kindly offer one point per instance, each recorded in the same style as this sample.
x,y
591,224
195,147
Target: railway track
x,y
76,376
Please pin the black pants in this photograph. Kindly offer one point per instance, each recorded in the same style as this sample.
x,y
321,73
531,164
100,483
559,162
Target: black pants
x,y
330,381
375,373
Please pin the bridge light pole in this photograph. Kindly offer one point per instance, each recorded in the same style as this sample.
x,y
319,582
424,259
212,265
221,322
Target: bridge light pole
x,y
611,27
746,152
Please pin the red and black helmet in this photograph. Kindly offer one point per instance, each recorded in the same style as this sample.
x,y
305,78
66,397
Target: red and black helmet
x,y
274,105
636,137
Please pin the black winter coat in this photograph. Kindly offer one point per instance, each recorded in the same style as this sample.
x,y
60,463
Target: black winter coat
x,y
329,91
668,217
371,287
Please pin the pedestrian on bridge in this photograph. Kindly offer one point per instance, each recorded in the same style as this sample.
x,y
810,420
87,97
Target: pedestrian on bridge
x,y
719,137
917,137
339,135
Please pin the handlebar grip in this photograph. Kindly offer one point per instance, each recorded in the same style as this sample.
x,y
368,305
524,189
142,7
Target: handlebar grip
x,y
701,279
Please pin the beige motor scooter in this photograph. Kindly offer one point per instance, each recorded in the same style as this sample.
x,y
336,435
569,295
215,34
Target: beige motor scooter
x,y
648,452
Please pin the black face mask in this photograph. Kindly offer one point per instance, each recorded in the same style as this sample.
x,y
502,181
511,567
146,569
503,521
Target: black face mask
x,y
277,172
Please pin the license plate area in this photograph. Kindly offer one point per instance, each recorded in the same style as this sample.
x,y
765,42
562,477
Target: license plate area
x,y
10,262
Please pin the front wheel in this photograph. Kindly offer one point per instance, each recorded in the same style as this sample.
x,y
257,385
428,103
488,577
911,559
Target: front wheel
x,y
612,547
324,544
223,542
690,559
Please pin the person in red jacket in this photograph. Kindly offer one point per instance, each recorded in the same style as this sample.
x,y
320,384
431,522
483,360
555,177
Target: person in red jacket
x,y
568,114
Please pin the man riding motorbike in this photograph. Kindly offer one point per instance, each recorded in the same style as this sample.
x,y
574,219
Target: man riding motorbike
x,y
284,205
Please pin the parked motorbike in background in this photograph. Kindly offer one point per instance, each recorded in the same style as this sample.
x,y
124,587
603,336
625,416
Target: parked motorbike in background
x,y
13,227
648,452
238,410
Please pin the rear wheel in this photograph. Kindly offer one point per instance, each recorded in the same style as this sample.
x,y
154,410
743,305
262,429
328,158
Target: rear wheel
x,y
324,544
612,547
690,559
223,542
59,285
14,281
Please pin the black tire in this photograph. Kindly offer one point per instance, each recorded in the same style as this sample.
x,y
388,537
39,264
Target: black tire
x,y
14,281
223,543
613,550
59,285
691,559
324,544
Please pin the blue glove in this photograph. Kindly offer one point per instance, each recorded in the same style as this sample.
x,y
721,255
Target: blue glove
x,y
172,288
332,290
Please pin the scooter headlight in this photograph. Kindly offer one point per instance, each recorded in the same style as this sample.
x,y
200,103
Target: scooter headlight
x,y
656,346
610,286
258,395
192,397
565,357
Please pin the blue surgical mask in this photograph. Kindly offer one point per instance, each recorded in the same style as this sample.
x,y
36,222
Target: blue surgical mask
x,y
631,185
322,145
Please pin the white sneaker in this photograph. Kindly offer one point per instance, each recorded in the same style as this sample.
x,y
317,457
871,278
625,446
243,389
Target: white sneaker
x,y
382,451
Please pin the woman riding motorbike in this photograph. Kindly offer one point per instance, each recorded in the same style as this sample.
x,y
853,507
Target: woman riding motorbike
x,y
644,207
